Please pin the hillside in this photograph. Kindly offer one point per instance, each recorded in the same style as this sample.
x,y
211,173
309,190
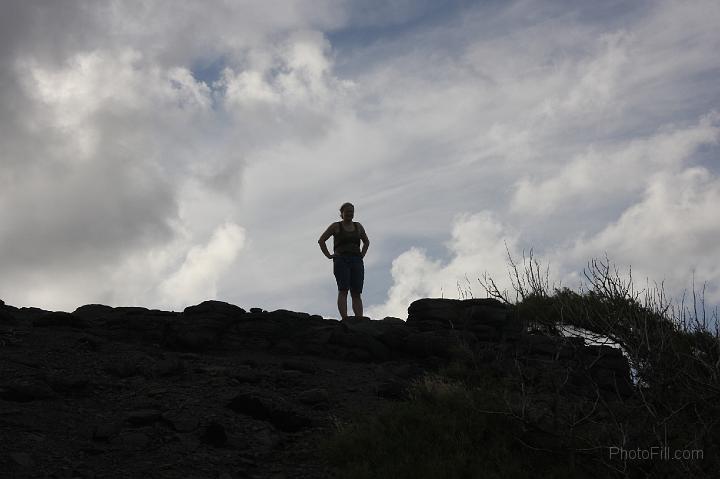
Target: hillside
x,y
220,392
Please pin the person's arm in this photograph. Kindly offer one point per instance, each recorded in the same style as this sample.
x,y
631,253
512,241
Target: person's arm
x,y
324,237
364,239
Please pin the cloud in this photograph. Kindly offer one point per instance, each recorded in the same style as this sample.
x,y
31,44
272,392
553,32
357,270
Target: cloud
x,y
479,244
598,175
115,154
131,132
412,273
198,276
668,235
103,150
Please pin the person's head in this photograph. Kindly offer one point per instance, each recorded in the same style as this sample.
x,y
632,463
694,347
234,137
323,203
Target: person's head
x,y
347,211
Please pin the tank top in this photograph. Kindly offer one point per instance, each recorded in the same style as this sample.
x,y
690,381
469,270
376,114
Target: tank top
x,y
347,242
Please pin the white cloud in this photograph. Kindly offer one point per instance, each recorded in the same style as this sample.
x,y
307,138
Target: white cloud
x,y
479,244
595,79
285,90
198,276
132,131
671,233
117,98
412,274
596,176
121,158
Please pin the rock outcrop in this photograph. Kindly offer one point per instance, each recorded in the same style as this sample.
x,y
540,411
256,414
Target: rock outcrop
x,y
218,391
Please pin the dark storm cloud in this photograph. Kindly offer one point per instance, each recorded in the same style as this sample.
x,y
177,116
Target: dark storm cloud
x,y
84,216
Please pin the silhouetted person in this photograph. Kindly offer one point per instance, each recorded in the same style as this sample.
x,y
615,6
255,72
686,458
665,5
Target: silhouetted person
x,y
347,258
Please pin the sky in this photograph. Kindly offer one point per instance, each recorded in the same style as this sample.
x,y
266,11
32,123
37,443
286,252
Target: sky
x,y
162,153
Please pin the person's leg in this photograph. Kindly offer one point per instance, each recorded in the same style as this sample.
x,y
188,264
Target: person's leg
x,y
342,303
357,278
357,305
341,269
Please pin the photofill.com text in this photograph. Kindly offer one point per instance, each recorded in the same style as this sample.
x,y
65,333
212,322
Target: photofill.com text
x,y
661,453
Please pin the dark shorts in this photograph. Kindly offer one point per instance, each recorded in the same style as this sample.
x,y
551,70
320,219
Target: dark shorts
x,y
349,273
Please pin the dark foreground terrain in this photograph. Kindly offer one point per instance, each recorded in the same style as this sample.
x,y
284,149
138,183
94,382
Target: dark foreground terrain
x,y
220,392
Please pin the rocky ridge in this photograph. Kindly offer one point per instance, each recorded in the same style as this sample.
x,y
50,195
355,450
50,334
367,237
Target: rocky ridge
x,y
220,392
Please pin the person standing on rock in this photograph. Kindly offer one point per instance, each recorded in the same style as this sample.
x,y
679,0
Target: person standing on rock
x,y
347,258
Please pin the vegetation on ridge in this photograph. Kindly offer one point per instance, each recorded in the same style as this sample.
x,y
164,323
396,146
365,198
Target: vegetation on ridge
x,y
486,416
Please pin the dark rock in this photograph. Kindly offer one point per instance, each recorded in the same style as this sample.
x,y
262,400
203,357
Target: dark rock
x,y
215,371
124,367
513,328
267,438
612,382
488,319
552,346
275,411
389,332
289,377
143,417
314,396
598,350
6,318
190,356
353,354
434,313
454,310
89,343
286,346
299,366
315,340
490,313
361,344
31,314
134,440
392,388
181,422
246,375
60,319
214,434
92,450
406,371
94,311
214,307
26,390
68,383
193,340
22,459
298,372
136,325
441,343
170,366
617,363
191,333
133,310
483,332
609,369
291,314
157,391
105,431
393,320
7,314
